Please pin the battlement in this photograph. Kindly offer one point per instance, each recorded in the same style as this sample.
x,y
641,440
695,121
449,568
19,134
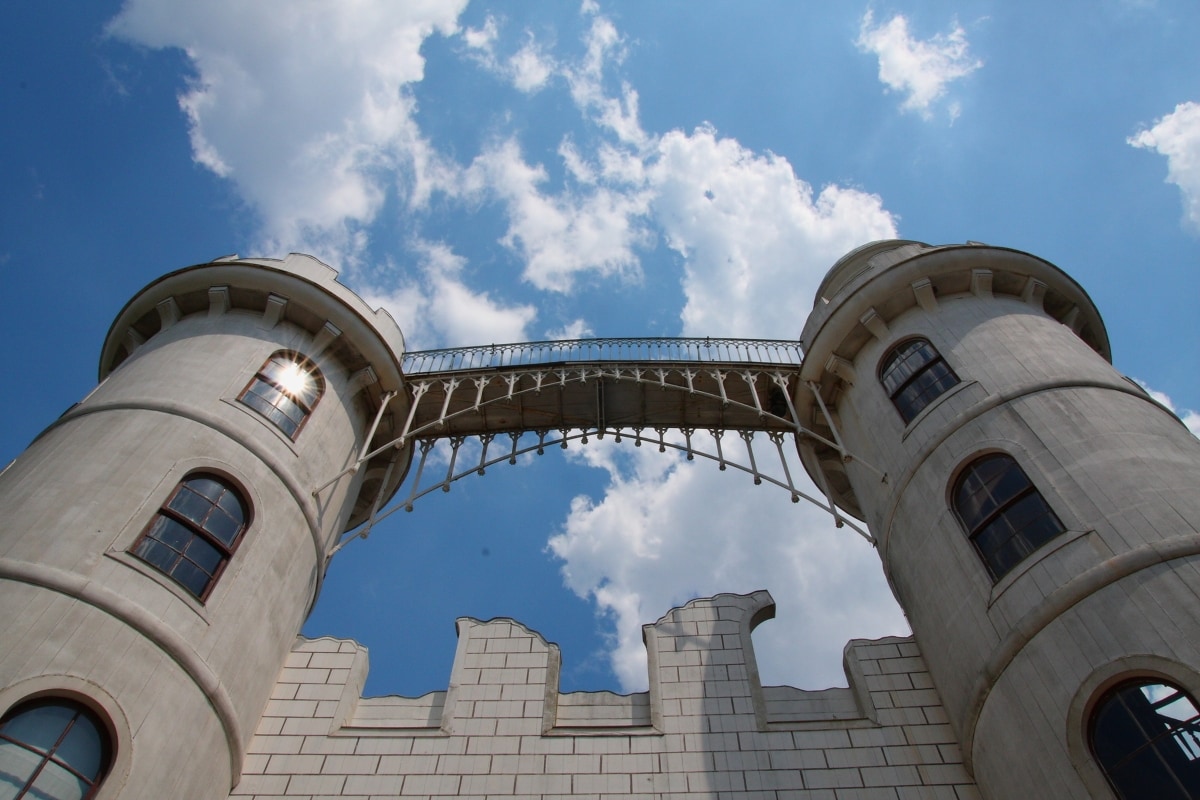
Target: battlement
x,y
706,722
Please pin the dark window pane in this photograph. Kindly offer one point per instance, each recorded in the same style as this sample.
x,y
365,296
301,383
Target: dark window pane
x,y
171,533
914,375
223,527
1034,522
194,579
193,549
191,505
1144,736
156,554
232,505
204,555
1004,515
206,486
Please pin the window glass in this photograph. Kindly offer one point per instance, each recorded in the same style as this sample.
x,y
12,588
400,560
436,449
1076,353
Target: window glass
x,y
914,375
195,533
285,391
52,749
1146,737
1004,515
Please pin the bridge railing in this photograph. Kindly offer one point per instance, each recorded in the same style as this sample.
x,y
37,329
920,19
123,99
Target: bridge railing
x,y
530,354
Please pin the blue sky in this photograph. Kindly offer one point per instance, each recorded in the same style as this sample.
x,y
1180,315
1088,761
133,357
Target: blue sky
x,y
497,172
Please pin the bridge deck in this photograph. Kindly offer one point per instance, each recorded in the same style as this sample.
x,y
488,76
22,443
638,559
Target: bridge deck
x,y
604,396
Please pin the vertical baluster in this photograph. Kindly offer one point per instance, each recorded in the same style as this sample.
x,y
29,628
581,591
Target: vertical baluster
x,y
425,445
748,437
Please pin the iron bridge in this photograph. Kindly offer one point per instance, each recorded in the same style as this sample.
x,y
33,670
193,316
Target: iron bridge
x,y
683,394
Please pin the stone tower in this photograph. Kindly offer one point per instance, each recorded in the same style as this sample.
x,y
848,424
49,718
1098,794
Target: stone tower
x,y
162,541
1037,513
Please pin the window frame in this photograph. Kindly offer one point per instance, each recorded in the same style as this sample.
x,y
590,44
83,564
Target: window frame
x,y
894,358
197,531
107,754
975,529
1133,685
263,378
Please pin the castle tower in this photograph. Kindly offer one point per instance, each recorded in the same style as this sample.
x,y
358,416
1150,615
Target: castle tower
x,y
162,541
1038,519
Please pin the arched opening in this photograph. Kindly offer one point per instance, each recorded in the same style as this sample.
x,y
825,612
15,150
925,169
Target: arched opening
x,y
285,390
1004,515
194,534
53,748
914,374
1145,735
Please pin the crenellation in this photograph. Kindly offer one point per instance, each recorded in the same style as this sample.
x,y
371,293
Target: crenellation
x,y
705,725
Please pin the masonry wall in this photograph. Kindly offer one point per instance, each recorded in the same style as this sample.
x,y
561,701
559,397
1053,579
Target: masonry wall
x,y
705,728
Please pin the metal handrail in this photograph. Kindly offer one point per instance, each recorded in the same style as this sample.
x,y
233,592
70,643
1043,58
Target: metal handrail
x,y
663,349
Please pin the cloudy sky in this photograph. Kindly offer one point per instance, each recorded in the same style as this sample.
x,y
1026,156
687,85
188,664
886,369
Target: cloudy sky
x,y
517,171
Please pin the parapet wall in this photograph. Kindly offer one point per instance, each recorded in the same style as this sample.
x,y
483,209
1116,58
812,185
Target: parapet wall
x,y
705,727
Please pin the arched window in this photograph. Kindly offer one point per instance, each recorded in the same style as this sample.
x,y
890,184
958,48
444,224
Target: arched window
x,y
285,391
1145,734
52,749
914,374
1002,512
193,536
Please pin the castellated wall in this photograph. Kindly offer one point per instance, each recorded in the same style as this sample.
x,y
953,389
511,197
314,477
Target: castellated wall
x,y
706,727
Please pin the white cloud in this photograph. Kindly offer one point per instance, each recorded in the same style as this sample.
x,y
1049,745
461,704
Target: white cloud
x,y
302,106
756,241
483,39
656,540
1177,136
438,309
560,236
529,69
618,114
575,329
1190,418
921,70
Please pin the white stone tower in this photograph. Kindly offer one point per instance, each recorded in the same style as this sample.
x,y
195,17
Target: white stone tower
x,y
1039,517
162,543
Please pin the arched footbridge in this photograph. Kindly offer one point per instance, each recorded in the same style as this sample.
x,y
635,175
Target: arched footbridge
x,y
494,403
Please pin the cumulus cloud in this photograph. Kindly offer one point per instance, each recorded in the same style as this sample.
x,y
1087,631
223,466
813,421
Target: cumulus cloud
x,y
755,238
528,69
303,106
1190,418
755,241
558,236
656,540
437,308
605,47
1177,136
920,70
575,329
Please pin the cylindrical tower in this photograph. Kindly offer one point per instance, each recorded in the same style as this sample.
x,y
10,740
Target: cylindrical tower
x,y
1037,513
162,541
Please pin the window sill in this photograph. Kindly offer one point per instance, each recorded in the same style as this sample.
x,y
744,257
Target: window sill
x,y
915,421
1033,559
